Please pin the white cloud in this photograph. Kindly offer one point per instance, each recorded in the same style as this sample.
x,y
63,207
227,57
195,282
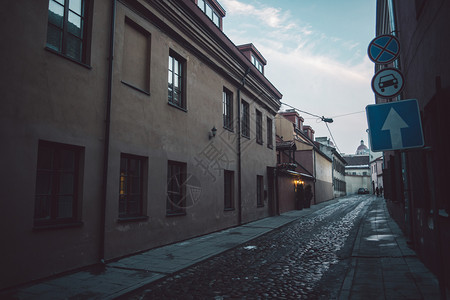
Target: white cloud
x,y
271,16
314,71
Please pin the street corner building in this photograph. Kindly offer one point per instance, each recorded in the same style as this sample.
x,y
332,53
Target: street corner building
x,y
126,125
303,168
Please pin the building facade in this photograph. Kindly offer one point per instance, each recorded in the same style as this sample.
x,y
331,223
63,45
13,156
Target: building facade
x,y
338,168
376,169
308,156
414,180
357,173
130,125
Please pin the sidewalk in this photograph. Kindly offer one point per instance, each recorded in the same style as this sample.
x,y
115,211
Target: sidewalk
x,y
383,266
118,278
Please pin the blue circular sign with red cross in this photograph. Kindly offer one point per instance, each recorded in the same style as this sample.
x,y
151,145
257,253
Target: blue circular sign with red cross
x,y
384,49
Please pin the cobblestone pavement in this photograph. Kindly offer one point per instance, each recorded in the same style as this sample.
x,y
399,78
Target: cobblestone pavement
x,y
306,259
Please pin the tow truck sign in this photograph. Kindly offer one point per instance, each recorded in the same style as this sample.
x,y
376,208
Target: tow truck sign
x,y
388,83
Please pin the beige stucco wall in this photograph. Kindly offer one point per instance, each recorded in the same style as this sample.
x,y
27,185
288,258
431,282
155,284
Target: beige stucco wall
x,y
148,126
353,183
324,179
284,127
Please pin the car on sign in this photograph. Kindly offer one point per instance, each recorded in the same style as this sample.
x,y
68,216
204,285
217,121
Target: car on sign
x,y
387,81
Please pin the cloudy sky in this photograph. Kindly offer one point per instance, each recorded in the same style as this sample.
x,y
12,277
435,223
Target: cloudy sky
x,y
316,52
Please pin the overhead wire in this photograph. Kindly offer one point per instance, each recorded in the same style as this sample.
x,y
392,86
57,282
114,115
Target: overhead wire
x,y
353,113
326,124
322,118
305,112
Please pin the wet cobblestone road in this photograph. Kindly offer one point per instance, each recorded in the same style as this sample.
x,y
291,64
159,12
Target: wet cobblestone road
x,y
306,259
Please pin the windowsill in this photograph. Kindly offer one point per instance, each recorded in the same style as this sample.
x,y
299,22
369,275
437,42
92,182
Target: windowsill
x,y
68,57
259,142
270,146
247,137
229,209
229,129
259,206
176,106
57,225
132,219
135,88
175,214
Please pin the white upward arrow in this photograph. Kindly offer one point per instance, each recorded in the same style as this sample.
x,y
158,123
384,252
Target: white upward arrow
x,y
394,123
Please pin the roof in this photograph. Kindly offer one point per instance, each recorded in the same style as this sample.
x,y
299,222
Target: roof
x,y
339,156
230,46
252,48
357,160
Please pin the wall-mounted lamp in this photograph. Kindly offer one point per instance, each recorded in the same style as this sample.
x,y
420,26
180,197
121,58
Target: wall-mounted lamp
x,y
213,132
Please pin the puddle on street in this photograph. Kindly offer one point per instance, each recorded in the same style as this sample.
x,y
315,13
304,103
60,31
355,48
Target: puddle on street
x,y
380,237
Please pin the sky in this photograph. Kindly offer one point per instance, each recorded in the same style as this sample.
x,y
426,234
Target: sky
x,y
316,52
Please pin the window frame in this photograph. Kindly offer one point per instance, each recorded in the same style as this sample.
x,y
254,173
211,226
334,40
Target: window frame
x,y
228,190
85,17
257,64
172,206
181,62
56,174
269,124
210,12
259,191
245,119
227,106
259,129
140,214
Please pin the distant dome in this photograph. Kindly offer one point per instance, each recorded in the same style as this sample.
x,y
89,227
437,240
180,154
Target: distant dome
x,y
362,149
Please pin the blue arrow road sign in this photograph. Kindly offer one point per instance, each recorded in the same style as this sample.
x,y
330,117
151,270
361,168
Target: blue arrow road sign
x,y
394,125
384,49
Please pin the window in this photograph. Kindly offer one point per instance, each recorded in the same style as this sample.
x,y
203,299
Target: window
x,y
257,64
209,11
57,183
176,81
67,28
176,188
227,109
245,119
131,186
228,190
259,138
259,190
136,57
269,133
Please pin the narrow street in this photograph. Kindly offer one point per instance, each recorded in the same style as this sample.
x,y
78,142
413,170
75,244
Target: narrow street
x,y
308,258
346,248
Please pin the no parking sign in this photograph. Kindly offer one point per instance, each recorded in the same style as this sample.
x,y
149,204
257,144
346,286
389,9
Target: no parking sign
x,y
384,49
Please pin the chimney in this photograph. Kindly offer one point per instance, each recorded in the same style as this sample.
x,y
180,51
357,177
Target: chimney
x,y
309,131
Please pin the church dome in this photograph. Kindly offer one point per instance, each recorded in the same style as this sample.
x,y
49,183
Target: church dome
x,y
362,149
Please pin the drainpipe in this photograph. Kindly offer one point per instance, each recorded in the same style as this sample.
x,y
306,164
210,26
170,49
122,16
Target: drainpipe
x,y
315,175
239,148
107,136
